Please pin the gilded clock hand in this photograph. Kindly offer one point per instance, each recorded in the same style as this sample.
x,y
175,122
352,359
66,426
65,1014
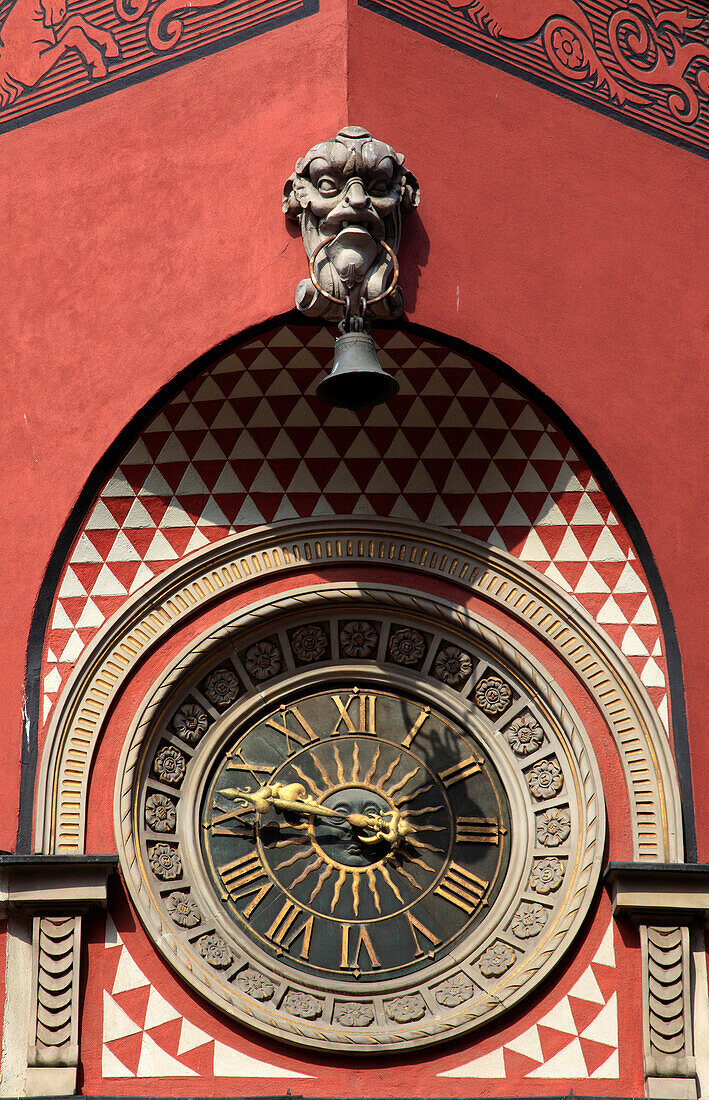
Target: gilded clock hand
x,y
292,797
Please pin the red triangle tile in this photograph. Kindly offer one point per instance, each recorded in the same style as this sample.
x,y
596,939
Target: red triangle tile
x,y
156,507
192,440
87,573
583,1012
511,469
492,438
517,1066
167,1035
531,504
136,475
127,1050
552,1041
342,504
173,472
119,507
201,1060
495,504
209,470
134,1003
595,1054
155,441
527,440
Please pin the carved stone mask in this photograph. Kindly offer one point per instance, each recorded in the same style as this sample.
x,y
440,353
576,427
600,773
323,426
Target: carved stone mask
x,y
350,192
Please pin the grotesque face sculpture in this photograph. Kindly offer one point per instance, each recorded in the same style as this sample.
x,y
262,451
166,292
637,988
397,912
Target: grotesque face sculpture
x,y
349,195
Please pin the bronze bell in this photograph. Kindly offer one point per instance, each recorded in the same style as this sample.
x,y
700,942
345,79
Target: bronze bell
x,y
356,380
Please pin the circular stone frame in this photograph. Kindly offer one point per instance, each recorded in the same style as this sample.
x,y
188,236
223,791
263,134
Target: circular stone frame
x,y
495,988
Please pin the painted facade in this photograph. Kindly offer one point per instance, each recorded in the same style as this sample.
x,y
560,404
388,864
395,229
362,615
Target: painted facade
x,y
172,480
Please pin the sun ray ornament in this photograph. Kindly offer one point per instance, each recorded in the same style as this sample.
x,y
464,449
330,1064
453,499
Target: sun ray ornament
x,y
349,195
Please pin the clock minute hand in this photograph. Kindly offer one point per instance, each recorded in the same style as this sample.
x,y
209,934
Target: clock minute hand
x,y
289,797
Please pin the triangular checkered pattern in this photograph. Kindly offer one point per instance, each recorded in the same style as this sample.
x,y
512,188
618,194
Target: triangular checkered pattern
x,y
247,443
144,1036
577,1039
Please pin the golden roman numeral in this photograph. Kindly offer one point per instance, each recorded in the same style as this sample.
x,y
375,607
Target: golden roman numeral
x,y
477,830
461,888
238,762
366,717
284,931
416,727
289,734
416,926
246,876
363,941
463,770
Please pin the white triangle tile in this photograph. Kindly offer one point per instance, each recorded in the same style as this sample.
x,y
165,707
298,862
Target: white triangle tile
x,y
489,1066
249,515
175,516
160,549
363,507
85,553
476,516
402,510
605,956
567,481
138,517
303,481
283,446
52,681
155,485
158,1011
142,577
212,515
437,386
228,482
106,584
505,393
128,975
361,447
197,541
342,481
51,657
61,620
569,1062
400,447
191,484
546,450
47,704
209,450
440,515
652,675
191,1037
550,515
228,419
232,1063
587,515
322,508
90,616
513,516
495,539
473,386
528,421
111,1067
553,574
420,481
613,522
117,1024
112,937
509,449
436,448
632,646
534,549
101,519
604,1028
285,511
418,416
266,481
122,549
382,481
645,615
156,1062
560,1018
491,417
591,581
381,417
530,481
527,1044
587,988
456,482
118,486
570,548
656,649
662,710
629,581
322,447
159,424
172,451
265,361
209,391
610,1068
473,447
244,387
493,481
190,421
73,648
301,416
611,613
606,548
138,455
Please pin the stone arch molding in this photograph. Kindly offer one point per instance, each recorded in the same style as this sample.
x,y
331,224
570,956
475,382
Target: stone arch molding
x,y
220,570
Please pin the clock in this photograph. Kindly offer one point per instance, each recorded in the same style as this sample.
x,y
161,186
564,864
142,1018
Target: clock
x,y
358,833
362,821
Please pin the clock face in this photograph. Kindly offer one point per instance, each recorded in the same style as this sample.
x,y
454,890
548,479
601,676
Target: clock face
x,y
355,833
366,828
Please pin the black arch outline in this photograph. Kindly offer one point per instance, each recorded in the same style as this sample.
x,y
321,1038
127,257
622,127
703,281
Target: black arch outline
x,y
127,436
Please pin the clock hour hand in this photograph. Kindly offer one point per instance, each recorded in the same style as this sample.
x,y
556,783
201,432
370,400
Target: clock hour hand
x,y
292,797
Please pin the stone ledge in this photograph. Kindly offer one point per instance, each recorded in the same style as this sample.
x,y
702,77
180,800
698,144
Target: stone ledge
x,y
649,892
46,883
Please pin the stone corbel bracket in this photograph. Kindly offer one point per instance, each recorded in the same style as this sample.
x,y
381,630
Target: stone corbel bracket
x,y
52,893
669,902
